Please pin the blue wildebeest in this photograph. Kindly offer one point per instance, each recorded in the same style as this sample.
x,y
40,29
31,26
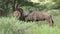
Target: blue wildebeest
x,y
33,16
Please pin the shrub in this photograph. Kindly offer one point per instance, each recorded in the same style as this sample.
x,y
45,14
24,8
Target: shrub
x,y
10,25
13,26
54,12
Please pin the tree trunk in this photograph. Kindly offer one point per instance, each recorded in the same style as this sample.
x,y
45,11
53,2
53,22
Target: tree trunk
x,y
17,6
6,10
14,2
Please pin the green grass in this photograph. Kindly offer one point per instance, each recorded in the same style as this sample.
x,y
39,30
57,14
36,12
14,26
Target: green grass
x,y
11,25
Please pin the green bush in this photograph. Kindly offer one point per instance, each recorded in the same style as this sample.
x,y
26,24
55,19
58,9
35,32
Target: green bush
x,y
13,26
28,8
54,12
47,6
10,25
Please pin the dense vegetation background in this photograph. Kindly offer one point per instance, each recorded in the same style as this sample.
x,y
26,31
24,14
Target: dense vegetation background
x,y
10,25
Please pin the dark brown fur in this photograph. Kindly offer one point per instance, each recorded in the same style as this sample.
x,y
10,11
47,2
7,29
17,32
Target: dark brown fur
x,y
38,16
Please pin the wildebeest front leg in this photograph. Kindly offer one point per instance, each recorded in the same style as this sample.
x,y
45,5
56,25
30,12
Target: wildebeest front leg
x,y
39,23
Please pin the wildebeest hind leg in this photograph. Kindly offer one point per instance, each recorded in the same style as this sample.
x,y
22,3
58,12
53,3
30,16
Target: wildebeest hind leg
x,y
49,21
38,23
